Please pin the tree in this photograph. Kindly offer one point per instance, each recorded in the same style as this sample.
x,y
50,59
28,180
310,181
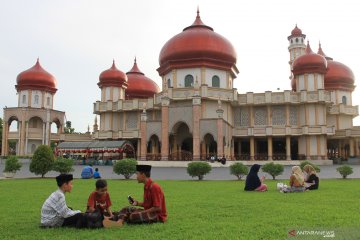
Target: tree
x,y
239,170
198,169
68,128
42,160
63,165
345,170
126,167
273,169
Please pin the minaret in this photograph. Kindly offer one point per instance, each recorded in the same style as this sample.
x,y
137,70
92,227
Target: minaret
x,y
95,127
296,46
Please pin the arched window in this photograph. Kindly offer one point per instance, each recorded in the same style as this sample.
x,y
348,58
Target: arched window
x,y
344,99
24,99
48,101
36,99
169,83
215,81
189,81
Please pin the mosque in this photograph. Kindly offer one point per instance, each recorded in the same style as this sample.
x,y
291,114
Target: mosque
x,y
198,113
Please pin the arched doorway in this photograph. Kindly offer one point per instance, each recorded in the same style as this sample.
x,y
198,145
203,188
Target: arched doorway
x,y
209,147
181,143
12,140
153,148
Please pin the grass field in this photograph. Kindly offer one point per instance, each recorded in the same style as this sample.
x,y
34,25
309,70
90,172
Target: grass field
x,y
196,210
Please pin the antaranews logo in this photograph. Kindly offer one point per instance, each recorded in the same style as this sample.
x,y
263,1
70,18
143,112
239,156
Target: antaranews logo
x,y
320,233
292,233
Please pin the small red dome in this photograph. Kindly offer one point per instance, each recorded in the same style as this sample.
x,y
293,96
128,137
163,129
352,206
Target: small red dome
x,y
139,86
36,78
197,45
296,32
339,77
310,62
112,77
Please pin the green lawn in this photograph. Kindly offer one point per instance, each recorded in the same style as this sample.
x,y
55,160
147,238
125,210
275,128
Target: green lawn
x,y
196,209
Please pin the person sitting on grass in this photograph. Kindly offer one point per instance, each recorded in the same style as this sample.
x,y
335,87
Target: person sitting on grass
x,y
87,172
312,180
153,207
253,182
55,212
97,173
297,183
99,200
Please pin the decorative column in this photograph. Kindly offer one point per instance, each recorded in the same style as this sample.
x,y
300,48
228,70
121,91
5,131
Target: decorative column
x,y
4,146
21,138
351,143
220,136
43,134
196,111
26,137
165,128
252,148
357,147
288,148
270,147
143,119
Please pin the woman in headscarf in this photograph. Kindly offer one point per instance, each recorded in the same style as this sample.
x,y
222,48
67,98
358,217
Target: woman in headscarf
x,y
253,182
312,180
297,182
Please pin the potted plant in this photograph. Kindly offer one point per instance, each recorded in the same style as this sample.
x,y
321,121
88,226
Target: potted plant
x,y
12,165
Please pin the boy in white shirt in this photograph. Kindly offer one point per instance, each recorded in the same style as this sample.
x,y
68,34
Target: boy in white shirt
x,y
55,212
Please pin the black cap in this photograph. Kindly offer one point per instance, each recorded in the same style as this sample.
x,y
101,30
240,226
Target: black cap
x,y
63,178
143,168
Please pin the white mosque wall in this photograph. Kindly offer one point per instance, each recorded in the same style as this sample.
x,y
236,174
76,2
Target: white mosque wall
x,y
339,97
107,93
182,73
345,122
116,94
313,145
115,122
209,73
48,100
36,99
311,111
23,98
331,120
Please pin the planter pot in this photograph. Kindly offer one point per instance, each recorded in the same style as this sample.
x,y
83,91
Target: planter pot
x,y
9,174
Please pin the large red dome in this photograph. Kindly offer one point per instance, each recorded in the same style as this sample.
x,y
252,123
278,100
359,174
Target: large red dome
x,y
339,77
197,45
112,77
310,62
139,86
36,78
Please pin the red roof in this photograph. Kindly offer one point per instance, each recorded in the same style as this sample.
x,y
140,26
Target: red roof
x,y
197,45
310,62
339,77
139,86
112,77
36,78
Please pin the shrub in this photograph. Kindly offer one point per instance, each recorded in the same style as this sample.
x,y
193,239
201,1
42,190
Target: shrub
x,y
303,163
63,165
273,169
345,170
239,170
12,164
198,169
126,167
42,160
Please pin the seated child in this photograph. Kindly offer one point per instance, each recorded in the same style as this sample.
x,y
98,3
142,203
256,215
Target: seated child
x,y
312,180
96,173
55,212
99,200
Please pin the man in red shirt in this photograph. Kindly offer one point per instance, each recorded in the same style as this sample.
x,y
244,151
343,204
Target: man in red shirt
x,y
154,207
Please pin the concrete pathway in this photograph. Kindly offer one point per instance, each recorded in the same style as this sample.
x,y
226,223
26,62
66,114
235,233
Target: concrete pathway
x,y
165,171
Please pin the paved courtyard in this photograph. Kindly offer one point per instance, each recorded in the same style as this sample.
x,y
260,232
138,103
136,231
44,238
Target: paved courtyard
x,y
219,172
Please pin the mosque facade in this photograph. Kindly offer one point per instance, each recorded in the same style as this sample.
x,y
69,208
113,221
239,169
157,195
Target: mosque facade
x,y
198,113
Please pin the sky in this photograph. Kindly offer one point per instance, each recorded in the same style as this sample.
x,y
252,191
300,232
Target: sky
x,y
77,40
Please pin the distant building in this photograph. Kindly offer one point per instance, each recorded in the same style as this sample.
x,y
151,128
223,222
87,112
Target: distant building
x,y
199,114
